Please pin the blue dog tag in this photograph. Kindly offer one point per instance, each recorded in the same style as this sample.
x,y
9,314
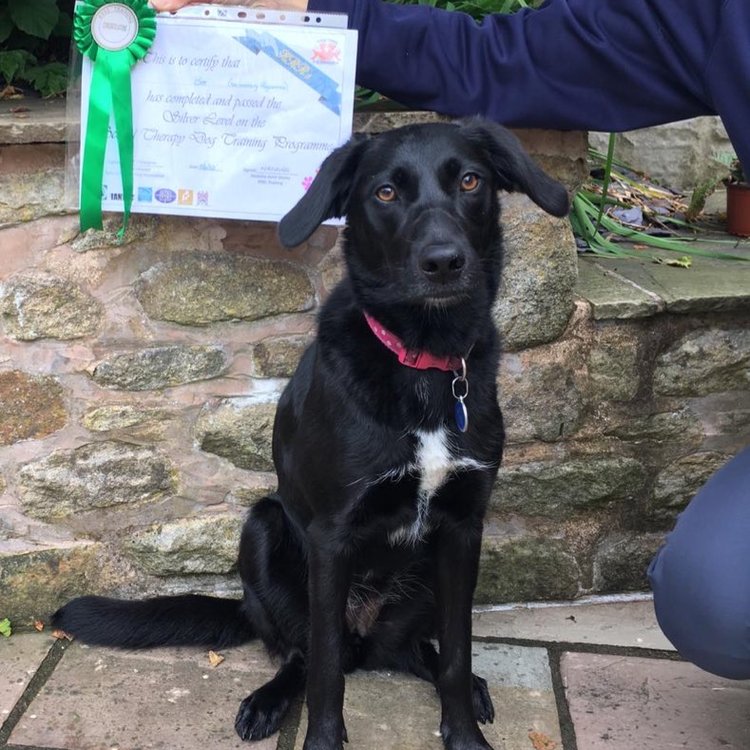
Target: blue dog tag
x,y
461,415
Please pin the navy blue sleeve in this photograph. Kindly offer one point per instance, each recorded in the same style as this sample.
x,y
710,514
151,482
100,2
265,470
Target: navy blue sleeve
x,y
571,64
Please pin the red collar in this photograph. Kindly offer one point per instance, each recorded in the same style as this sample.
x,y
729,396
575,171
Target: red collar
x,y
409,357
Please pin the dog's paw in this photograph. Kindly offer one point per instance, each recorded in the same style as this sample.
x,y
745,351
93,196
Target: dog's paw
x,y
260,715
480,694
469,738
333,740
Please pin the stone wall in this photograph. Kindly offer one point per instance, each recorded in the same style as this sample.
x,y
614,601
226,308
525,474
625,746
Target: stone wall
x,y
680,155
138,386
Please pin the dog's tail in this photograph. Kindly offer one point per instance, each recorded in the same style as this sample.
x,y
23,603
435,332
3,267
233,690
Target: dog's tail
x,y
188,620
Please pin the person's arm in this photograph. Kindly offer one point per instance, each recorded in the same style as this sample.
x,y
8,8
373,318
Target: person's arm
x,y
572,64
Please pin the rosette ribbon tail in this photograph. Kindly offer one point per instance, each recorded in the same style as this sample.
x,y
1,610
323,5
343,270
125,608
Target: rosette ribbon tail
x,y
110,100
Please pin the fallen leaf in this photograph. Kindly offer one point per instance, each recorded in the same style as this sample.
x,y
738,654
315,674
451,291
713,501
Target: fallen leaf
x,y
38,626
541,741
214,659
684,262
5,628
61,635
11,92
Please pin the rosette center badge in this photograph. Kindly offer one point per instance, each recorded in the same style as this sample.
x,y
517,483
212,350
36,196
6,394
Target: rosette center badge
x,y
114,26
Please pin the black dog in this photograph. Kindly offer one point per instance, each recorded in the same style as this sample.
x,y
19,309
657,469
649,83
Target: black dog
x,y
385,458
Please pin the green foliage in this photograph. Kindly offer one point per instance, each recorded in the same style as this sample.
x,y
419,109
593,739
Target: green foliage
x,y
49,79
736,173
36,19
5,628
34,43
475,8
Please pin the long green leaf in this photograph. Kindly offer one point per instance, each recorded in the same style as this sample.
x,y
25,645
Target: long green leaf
x,y
607,177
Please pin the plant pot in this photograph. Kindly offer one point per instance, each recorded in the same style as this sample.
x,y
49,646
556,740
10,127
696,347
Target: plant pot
x,y
738,208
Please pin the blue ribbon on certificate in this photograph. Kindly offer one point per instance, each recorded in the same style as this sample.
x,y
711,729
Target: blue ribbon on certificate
x,y
261,41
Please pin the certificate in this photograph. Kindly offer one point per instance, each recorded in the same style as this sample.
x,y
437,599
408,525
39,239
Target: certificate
x,y
232,117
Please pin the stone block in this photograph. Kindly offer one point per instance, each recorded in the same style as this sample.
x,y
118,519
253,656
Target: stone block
x,y
613,365
278,358
678,482
556,489
202,288
240,431
37,306
32,182
257,486
96,475
526,569
611,295
541,392
36,581
540,271
705,361
205,544
682,425
142,228
658,287
160,367
622,559
681,155
31,406
125,416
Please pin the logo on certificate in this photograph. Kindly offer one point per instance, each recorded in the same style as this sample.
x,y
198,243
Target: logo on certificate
x,y
165,195
203,197
145,195
114,26
185,197
326,51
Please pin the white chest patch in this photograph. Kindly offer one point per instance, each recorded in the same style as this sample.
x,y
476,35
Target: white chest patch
x,y
434,462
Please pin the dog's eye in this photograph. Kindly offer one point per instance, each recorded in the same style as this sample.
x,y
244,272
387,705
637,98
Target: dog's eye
x,y
469,182
386,193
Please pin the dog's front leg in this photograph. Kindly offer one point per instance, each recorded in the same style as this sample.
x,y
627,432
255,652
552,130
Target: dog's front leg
x,y
329,581
458,548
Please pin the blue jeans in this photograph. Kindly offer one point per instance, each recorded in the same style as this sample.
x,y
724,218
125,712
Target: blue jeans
x,y
701,576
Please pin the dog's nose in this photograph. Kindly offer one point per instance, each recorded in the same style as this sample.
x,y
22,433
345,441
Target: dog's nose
x,y
441,263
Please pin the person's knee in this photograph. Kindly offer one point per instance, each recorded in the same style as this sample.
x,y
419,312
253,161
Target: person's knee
x,y
703,609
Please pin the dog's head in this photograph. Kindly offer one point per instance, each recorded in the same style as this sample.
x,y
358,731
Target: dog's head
x,y
422,209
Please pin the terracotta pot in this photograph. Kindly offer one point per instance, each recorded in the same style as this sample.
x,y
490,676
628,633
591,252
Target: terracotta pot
x,y
738,208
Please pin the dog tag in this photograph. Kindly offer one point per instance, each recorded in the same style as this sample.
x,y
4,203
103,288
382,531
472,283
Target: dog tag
x,y
461,415
460,390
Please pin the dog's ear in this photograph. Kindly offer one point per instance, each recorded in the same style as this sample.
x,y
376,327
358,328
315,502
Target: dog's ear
x,y
328,195
515,169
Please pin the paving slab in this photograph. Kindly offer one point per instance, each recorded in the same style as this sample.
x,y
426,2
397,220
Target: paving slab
x,y
619,703
20,657
630,624
708,286
612,295
102,699
632,288
389,711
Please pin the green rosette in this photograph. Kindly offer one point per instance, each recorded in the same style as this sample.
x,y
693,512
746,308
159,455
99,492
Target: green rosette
x,y
114,35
